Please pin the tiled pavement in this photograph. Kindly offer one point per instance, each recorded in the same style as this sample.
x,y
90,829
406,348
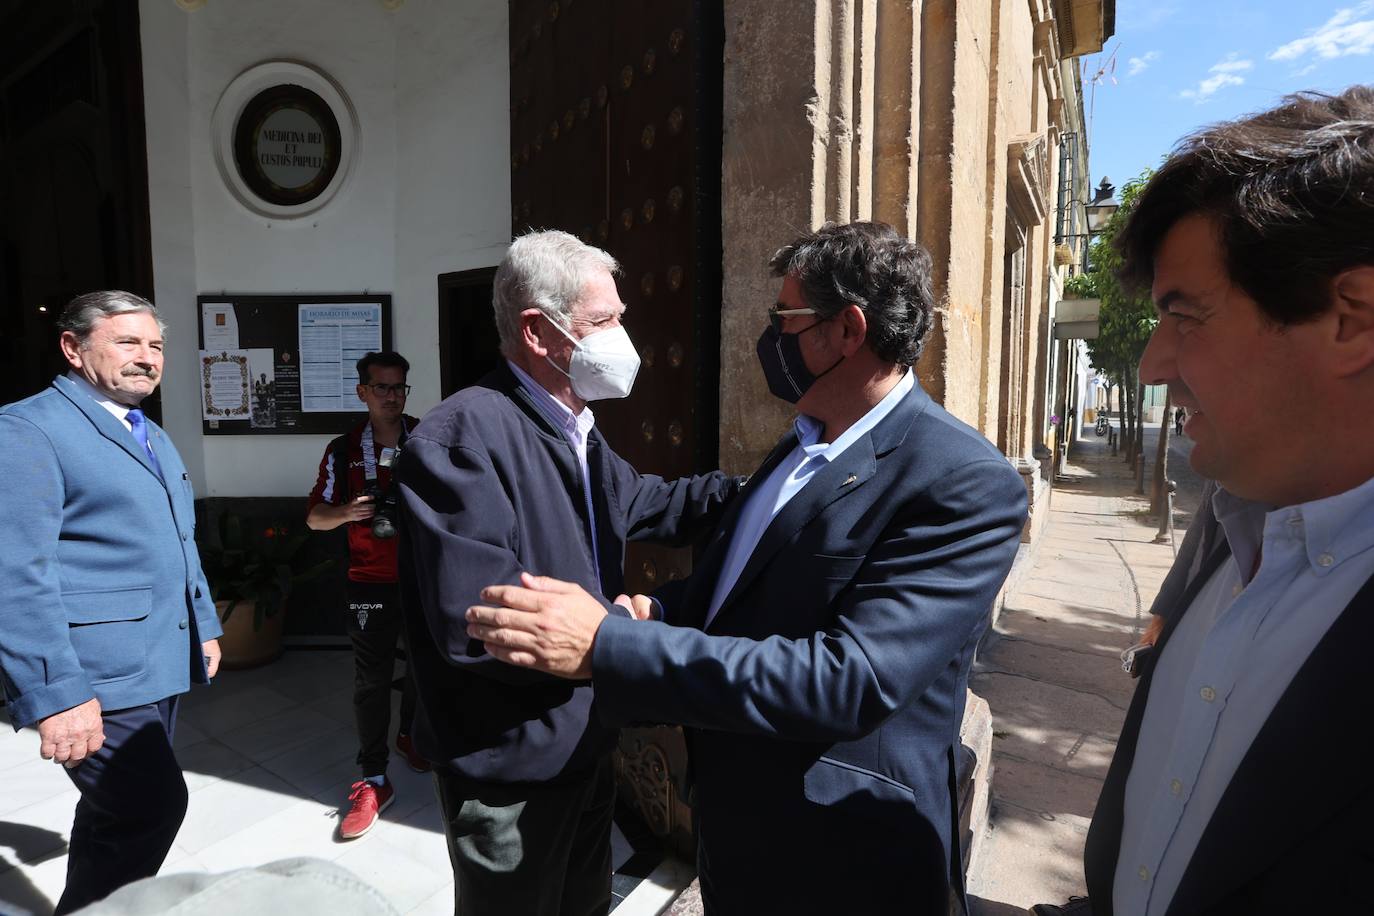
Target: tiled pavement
x,y
268,757
1051,674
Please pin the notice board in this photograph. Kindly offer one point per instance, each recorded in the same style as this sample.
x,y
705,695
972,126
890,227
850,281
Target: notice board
x,y
285,364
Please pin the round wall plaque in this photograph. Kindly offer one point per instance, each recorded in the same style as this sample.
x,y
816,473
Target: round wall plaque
x,y
285,139
286,145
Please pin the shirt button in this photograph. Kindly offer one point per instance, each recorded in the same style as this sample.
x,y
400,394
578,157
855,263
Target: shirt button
x,y
1236,590
181,624
1144,873
1325,560
1176,787
1208,694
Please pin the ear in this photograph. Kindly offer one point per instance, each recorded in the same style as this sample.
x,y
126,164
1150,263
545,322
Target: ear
x,y
1353,311
362,392
529,332
71,348
855,329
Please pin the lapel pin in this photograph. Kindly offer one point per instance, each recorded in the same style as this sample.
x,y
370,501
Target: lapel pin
x,y
850,479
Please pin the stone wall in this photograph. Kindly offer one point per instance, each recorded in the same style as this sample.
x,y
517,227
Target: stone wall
x,y
941,117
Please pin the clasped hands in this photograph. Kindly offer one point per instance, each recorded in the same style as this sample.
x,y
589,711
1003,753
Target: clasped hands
x,y
546,624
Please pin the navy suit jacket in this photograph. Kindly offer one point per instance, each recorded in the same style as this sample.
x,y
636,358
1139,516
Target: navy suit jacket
x,y
1291,833
488,489
101,589
824,700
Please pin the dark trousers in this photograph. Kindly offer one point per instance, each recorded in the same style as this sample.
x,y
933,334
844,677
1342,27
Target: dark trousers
x,y
133,799
529,848
375,627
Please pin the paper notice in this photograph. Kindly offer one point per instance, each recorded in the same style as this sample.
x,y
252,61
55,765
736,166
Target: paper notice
x,y
224,389
332,340
220,326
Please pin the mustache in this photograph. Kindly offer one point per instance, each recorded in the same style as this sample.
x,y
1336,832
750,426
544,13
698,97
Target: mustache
x,y
134,371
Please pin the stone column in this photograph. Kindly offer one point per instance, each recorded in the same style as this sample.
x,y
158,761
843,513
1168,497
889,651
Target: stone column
x,y
804,141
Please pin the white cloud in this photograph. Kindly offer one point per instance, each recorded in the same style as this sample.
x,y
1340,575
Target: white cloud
x,y
1224,73
1232,65
1349,31
1139,64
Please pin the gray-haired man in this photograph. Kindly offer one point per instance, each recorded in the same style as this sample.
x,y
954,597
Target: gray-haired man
x,y
509,477
105,615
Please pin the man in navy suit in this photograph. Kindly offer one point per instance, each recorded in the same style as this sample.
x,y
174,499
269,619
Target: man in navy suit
x,y
819,655
105,615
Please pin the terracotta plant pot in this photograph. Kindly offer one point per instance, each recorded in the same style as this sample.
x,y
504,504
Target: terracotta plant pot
x,y
242,645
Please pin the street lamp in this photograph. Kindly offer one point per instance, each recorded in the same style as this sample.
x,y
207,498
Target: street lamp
x,y
1102,207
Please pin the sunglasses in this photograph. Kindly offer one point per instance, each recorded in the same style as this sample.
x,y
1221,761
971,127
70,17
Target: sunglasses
x,y
777,315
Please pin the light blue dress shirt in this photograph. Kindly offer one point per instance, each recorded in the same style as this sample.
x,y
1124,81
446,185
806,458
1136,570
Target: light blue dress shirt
x,y
575,428
1224,669
765,500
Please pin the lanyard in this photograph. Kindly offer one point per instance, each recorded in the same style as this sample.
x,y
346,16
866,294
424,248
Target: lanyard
x,y
369,457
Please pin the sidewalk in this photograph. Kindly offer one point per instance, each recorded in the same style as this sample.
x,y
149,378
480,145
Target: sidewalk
x,y
1051,672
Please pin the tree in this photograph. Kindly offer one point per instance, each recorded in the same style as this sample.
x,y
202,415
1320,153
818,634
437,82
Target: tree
x,y
1125,322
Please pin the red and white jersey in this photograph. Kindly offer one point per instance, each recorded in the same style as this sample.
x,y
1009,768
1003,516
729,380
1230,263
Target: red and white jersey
x,y
369,559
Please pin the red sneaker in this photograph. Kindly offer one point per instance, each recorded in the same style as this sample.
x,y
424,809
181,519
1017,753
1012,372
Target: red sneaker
x,y
369,802
412,756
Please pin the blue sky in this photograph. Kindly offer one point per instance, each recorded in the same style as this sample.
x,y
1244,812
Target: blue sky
x,y
1180,65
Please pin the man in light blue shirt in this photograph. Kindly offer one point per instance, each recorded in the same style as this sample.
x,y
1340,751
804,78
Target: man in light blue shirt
x,y
1254,239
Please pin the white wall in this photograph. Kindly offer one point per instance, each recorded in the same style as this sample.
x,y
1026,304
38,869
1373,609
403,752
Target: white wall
x,y
429,192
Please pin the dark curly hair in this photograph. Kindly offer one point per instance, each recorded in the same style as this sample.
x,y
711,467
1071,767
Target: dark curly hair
x,y
870,265
1290,190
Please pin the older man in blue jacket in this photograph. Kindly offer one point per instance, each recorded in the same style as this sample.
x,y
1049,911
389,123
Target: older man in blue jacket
x,y
105,615
510,475
819,654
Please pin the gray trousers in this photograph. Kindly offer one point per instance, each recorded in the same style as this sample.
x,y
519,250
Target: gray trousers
x,y
528,848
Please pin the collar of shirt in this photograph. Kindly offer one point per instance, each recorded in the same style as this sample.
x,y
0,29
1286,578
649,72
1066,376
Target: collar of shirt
x,y
1332,530
809,430
576,427
120,411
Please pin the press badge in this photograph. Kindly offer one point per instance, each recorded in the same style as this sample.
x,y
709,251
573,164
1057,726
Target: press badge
x,y
388,456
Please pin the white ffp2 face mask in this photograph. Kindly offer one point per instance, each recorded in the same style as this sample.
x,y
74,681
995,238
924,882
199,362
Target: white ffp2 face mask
x,y
604,364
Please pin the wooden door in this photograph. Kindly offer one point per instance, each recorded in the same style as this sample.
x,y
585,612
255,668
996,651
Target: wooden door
x,y
73,175
615,137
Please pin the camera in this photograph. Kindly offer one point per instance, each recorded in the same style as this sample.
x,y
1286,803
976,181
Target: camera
x,y
384,517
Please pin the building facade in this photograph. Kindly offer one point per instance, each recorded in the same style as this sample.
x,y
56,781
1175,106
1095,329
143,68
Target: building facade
x,y
691,139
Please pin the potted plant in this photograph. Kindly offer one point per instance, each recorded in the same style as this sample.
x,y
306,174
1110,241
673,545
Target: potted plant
x,y
252,571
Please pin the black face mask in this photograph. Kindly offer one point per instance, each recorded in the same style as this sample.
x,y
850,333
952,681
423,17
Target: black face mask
x,y
783,367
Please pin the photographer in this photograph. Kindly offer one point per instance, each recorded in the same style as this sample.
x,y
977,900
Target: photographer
x,y
354,488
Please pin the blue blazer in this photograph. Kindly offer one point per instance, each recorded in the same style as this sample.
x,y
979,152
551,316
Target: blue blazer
x,y
101,589
824,701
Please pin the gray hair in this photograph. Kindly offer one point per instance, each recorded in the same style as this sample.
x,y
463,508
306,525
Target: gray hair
x,y
85,310
547,270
